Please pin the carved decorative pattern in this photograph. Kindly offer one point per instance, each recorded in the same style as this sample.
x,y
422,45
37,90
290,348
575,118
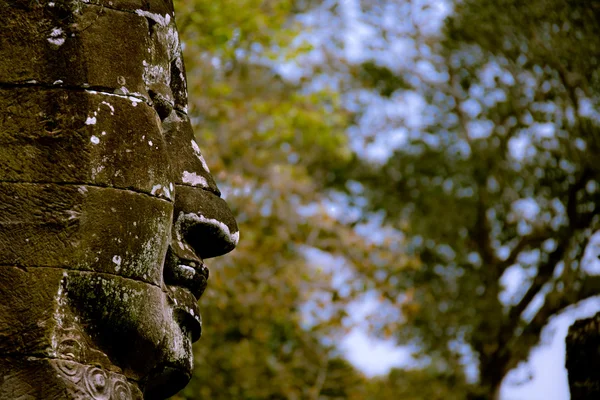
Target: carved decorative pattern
x,y
70,370
97,383
91,382
83,368
121,391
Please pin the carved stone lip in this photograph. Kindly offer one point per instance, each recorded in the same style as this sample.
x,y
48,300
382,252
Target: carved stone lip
x,y
186,311
186,280
183,268
192,275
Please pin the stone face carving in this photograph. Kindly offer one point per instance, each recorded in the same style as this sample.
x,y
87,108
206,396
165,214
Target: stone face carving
x,y
107,207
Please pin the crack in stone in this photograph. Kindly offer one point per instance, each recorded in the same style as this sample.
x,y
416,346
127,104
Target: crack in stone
x,y
206,189
88,184
104,90
49,86
83,271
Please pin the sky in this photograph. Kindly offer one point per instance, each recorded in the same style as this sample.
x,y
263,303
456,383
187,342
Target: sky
x,y
542,377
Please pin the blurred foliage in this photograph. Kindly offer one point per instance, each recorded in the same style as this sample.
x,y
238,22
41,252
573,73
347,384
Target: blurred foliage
x,y
380,78
495,176
266,140
416,385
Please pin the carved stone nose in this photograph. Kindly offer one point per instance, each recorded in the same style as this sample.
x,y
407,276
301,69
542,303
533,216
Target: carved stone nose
x,y
204,222
201,218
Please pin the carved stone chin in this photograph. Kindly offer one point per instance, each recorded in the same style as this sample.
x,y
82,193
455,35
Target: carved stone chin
x,y
108,209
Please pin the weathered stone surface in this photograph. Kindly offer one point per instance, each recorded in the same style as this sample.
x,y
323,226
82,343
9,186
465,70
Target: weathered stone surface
x,y
27,380
189,167
110,47
58,135
140,316
73,44
107,208
84,227
583,359
159,7
27,310
83,316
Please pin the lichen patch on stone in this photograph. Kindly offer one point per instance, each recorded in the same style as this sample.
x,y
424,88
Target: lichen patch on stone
x,y
159,19
194,179
59,313
199,155
112,109
195,147
131,97
57,37
160,190
117,260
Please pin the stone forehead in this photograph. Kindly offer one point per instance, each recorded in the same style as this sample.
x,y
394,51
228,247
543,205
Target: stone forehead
x,y
95,138
57,135
104,68
123,47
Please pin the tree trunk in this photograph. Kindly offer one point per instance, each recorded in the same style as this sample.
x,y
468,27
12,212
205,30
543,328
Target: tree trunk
x,y
492,371
488,389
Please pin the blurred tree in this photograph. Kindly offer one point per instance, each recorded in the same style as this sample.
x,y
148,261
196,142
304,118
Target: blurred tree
x,y
416,384
265,140
496,185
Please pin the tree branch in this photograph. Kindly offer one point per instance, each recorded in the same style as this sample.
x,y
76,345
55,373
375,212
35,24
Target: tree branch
x,y
574,221
533,240
315,390
553,304
546,270
482,233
